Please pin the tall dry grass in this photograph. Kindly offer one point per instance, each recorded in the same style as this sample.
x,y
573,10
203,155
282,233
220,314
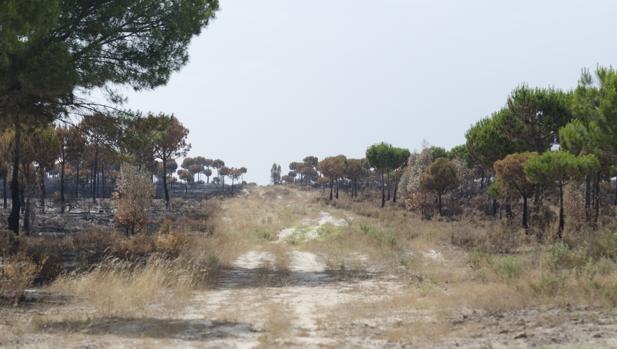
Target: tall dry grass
x,y
120,288
16,274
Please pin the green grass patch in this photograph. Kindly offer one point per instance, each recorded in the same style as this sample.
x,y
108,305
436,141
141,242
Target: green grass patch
x,y
383,237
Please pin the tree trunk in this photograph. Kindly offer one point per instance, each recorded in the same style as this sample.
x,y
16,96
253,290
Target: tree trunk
x,y
77,182
331,188
94,173
383,190
62,185
27,195
389,185
395,188
102,184
27,217
494,207
587,198
165,183
337,186
509,214
525,213
561,214
596,200
615,191
13,220
439,205
43,189
4,191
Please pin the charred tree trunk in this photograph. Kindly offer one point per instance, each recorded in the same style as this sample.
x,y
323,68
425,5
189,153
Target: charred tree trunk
x,y
561,213
494,208
395,188
615,191
4,188
77,182
525,213
509,214
27,196
389,185
165,182
587,198
43,190
337,187
62,184
102,184
94,173
13,220
596,200
383,190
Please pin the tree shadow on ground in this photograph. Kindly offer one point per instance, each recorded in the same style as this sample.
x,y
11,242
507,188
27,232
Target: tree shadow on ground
x,y
237,278
188,330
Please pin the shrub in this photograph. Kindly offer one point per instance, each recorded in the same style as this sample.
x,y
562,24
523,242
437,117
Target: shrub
x,y
133,197
8,242
384,238
549,284
561,257
604,246
170,244
16,274
508,267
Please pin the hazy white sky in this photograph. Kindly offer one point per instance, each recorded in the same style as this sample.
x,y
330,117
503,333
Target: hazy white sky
x,y
275,80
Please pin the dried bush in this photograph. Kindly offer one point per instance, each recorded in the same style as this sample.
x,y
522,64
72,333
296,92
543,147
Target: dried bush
x,y
574,207
133,198
16,274
410,184
8,242
493,238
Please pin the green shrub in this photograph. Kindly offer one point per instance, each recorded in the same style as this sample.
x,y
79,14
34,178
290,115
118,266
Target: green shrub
x,y
384,238
508,267
606,291
604,246
549,284
561,257
477,258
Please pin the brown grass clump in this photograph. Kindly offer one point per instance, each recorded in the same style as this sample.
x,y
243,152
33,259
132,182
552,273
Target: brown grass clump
x,y
120,288
277,325
16,274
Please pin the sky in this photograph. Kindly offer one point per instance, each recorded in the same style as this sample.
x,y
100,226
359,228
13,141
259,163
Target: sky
x,y
276,80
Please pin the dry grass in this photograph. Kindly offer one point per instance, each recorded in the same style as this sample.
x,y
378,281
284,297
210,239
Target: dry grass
x,y
119,288
447,268
279,320
16,274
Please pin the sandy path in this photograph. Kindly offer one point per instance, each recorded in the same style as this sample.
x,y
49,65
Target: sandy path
x,y
310,291
305,295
